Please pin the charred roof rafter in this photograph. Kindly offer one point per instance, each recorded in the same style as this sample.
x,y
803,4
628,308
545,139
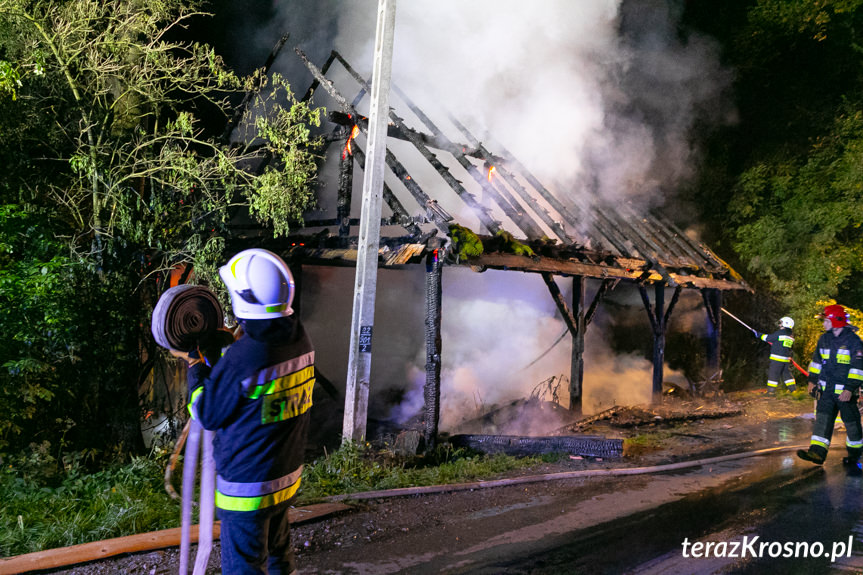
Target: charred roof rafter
x,y
594,238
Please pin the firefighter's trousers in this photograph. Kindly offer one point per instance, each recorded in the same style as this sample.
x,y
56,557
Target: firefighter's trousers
x,y
779,372
825,417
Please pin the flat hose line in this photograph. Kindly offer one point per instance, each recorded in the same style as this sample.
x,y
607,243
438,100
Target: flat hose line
x,y
405,491
60,557
183,314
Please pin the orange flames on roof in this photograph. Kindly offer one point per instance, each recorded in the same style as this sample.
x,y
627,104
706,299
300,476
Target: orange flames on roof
x,y
348,151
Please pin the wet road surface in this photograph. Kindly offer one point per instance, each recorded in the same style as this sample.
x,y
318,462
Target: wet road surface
x,y
636,525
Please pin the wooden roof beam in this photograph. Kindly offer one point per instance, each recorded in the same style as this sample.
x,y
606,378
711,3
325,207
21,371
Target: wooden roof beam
x,y
499,165
504,200
480,211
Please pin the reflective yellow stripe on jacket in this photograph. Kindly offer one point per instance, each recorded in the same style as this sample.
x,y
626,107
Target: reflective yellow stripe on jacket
x,y
285,389
251,496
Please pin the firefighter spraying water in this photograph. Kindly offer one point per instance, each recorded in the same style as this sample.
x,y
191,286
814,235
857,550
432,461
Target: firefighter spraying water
x,y
781,342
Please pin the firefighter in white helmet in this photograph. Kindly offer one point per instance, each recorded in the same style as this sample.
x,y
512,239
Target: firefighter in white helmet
x,y
257,400
780,342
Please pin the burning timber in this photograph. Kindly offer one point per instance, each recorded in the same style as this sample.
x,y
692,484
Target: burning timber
x,y
633,416
515,223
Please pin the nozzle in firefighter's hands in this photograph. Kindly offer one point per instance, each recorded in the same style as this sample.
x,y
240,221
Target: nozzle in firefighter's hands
x,y
814,391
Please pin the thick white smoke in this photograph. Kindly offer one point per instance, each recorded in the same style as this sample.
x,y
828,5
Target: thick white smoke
x,y
528,75
598,96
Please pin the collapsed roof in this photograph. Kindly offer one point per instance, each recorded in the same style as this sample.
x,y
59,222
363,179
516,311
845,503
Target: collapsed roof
x,y
503,218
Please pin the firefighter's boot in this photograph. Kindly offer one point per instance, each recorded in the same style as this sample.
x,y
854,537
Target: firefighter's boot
x,y
853,457
815,454
791,388
852,465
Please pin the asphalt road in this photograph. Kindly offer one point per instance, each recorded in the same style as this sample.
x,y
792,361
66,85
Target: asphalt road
x,y
643,524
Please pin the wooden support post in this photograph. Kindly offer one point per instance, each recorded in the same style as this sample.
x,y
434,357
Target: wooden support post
x,y
431,390
713,306
568,318
346,185
577,322
576,377
658,341
658,317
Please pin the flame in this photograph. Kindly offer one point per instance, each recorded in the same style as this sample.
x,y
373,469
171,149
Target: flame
x,y
491,172
348,151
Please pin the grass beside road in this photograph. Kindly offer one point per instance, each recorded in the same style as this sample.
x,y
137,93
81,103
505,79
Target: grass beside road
x,y
49,503
45,507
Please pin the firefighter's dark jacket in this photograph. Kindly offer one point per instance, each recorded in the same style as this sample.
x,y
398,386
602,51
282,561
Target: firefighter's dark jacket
x,y
780,344
257,400
837,363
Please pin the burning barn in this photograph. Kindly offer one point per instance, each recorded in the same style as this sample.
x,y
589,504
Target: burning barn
x,y
452,200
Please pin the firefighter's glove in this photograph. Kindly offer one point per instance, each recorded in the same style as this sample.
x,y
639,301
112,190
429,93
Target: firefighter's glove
x,y
814,391
845,395
210,345
184,355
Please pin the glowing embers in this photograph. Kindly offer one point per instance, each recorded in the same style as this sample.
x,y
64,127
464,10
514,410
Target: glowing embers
x,y
491,172
348,151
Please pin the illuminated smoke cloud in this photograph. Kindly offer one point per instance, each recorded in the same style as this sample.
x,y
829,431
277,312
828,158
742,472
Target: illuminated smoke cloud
x,y
495,326
600,97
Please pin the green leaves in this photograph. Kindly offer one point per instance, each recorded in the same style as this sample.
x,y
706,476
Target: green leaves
x,y
113,182
465,242
10,79
800,224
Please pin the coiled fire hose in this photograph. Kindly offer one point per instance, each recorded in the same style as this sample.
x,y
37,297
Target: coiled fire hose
x,y
184,317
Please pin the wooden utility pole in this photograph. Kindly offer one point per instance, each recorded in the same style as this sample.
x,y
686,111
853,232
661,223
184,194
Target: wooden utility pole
x,y
713,306
365,286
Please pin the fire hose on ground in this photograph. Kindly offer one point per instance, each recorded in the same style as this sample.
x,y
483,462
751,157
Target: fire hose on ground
x,y
66,556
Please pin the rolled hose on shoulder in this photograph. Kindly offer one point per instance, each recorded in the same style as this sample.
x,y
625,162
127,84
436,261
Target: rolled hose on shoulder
x,y
184,315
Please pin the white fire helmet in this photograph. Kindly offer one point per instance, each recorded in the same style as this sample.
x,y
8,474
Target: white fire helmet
x,y
786,322
260,283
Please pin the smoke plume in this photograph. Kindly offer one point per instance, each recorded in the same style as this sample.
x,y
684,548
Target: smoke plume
x,y
600,97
